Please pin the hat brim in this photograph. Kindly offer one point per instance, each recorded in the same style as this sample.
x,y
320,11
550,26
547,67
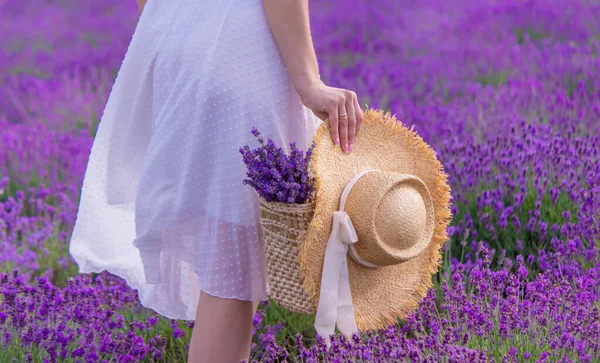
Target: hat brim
x,y
380,296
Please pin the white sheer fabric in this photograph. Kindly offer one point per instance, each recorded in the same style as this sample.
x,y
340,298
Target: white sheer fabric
x,y
162,203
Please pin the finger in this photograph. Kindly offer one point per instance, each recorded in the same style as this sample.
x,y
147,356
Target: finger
x,y
343,124
358,113
351,121
332,115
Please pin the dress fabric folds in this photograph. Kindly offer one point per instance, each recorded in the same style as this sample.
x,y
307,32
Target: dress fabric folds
x,y
162,202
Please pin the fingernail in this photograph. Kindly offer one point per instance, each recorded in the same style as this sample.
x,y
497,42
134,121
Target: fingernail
x,y
346,147
337,141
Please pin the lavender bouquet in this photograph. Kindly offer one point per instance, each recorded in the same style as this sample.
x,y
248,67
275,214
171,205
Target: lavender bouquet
x,y
275,175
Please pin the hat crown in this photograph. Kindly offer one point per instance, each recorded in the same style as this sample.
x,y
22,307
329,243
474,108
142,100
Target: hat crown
x,y
401,217
393,217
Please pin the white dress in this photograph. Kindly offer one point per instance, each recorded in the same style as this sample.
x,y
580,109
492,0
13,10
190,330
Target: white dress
x,y
162,203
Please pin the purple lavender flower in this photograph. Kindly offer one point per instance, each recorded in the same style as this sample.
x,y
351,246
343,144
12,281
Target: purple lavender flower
x,y
275,175
514,124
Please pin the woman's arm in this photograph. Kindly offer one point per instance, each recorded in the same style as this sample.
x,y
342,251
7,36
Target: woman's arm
x,y
289,23
140,4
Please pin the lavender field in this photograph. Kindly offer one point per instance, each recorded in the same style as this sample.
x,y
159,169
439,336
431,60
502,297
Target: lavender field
x,y
508,94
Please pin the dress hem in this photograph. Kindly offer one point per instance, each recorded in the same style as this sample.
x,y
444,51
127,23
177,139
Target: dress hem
x,y
87,266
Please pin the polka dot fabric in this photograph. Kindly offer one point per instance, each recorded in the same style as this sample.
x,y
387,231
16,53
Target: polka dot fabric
x,y
162,203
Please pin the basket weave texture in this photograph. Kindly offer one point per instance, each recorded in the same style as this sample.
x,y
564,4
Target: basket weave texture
x,y
284,226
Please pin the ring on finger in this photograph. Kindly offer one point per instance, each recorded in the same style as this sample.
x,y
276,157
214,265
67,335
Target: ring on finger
x,y
344,116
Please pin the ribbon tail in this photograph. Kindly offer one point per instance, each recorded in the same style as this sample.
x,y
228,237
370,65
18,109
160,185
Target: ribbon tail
x,y
346,321
335,254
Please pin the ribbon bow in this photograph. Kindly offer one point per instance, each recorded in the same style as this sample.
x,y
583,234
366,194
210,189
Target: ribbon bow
x,y
335,302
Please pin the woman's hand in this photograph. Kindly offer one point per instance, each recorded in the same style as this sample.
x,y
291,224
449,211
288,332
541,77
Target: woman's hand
x,y
337,105
290,25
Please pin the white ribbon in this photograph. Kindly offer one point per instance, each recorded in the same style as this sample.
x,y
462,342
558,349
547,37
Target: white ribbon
x,y
335,300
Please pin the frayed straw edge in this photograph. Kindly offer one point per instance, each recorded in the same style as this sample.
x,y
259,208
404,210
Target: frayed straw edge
x,y
316,222
443,217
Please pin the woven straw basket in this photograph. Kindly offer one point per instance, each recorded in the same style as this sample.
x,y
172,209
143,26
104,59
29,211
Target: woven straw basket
x,y
284,226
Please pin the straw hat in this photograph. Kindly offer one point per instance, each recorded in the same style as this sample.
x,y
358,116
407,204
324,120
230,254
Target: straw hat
x,y
379,224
